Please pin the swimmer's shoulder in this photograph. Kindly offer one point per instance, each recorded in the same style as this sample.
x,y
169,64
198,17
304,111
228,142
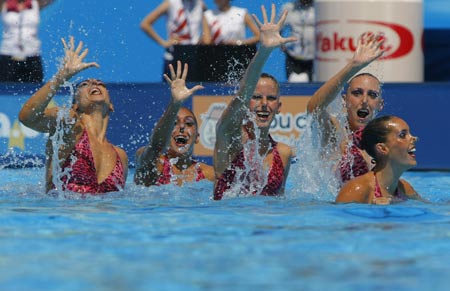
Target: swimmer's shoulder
x,y
285,150
208,171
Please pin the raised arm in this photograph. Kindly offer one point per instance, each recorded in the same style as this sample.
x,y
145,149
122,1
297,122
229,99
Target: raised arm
x,y
369,48
228,130
34,113
147,157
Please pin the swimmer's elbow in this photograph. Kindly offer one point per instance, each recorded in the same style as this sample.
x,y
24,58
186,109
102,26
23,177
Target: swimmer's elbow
x,y
25,117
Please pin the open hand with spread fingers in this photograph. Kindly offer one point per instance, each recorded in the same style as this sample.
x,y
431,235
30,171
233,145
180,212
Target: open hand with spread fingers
x,y
73,59
369,48
177,83
270,29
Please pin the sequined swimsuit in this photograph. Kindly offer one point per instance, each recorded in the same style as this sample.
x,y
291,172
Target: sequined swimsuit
x,y
274,181
83,177
352,163
166,175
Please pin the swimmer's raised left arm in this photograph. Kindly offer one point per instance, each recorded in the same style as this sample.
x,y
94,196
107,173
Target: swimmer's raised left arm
x,y
369,49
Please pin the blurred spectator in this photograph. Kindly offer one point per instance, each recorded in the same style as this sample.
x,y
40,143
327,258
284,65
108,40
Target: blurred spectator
x,y
20,51
228,24
300,54
186,25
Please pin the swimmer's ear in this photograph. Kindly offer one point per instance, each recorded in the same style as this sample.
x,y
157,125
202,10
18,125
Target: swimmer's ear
x,y
279,106
197,139
382,148
381,105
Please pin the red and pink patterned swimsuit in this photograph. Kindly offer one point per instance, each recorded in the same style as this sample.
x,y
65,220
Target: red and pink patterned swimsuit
x,y
166,175
352,163
398,197
274,181
83,177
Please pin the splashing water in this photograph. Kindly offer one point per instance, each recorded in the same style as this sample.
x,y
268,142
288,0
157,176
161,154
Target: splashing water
x,y
63,126
235,72
253,177
315,171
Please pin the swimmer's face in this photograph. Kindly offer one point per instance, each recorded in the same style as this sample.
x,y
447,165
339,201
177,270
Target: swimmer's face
x,y
184,134
91,92
265,102
363,100
400,144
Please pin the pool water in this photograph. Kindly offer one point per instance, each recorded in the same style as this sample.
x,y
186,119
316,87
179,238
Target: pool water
x,y
178,238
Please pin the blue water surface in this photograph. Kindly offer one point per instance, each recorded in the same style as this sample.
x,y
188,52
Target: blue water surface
x,y
177,238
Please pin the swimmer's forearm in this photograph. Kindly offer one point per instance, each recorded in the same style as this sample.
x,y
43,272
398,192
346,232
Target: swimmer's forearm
x,y
163,130
253,72
331,89
229,124
33,110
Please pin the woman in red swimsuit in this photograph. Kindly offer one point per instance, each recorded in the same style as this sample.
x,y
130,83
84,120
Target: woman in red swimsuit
x,y
389,140
91,163
362,100
168,157
264,166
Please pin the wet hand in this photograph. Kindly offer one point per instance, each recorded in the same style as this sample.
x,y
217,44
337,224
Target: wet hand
x,y
73,59
270,30
177,83
369,48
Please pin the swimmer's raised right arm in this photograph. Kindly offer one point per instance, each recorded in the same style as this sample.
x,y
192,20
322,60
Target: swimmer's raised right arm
x,y
34,113
368,49
147,156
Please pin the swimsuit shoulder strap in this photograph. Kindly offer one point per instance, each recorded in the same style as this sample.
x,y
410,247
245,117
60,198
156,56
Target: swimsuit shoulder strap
x,y
377,192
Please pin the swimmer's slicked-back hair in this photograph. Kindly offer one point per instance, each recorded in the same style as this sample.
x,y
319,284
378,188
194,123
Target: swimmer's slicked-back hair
x,y
376,131
361,75
269,76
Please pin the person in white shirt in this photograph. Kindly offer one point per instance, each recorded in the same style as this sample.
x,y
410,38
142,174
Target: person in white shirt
x,y
300,54
186,25
228,24
20,50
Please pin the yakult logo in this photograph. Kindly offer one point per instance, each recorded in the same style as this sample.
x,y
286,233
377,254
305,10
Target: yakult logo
x,y
398,39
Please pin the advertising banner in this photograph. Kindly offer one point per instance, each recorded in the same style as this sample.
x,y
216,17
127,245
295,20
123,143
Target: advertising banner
x,y
286,127
339,24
